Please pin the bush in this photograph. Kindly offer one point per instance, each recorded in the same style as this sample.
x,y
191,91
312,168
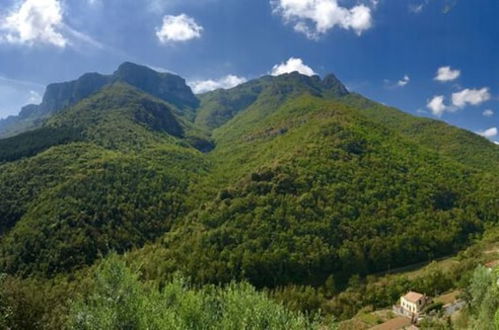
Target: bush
x,y
120,301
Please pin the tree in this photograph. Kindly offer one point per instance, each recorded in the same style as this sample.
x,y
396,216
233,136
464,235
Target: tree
x,y
120,301
4,307
484,293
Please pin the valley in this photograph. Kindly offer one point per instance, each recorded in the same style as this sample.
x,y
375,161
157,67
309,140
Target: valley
x,y
286,190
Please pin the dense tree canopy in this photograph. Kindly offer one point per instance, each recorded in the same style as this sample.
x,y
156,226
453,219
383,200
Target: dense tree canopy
x,y
289,183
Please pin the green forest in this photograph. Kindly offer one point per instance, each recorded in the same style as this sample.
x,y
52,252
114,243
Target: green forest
x,y
272,205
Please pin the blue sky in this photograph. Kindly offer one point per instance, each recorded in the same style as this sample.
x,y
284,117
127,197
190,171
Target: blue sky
x,y
436,58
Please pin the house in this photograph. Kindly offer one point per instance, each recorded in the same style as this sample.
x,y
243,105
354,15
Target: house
x,y
413,303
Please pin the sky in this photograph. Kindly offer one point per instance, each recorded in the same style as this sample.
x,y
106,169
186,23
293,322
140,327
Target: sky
x,y
434,58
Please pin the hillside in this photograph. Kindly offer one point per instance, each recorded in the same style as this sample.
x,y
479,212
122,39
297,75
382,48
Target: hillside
x,y
120,183
464,146
282,181
314,190
165,86
220,106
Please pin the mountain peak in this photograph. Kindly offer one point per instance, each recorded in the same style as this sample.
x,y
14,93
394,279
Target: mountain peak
x,y
166,86
330,82
129,67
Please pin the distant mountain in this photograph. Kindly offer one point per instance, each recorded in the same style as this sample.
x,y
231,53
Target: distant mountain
x,y
279,181
221,105
165,86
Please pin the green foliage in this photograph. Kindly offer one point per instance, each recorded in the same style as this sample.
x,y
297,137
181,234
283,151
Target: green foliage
x,y
434,307
220,106
304,190
115,202
4,307
319,191
65,207
120,301
484,298
384,291
122,117
31,143
458,144
57,97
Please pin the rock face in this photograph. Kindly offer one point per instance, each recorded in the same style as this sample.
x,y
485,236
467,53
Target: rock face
x,y
165,86
333,84
211,109
60,95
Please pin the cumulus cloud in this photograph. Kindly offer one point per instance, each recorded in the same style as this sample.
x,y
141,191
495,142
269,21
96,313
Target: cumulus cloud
x,y
488,113
203,86
404,81
292,65
33,22
437,105
316,17
178,28
460,100
445,73
470,97
489,133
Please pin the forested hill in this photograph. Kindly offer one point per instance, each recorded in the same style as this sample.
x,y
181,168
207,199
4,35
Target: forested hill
x,y
279,181
165,86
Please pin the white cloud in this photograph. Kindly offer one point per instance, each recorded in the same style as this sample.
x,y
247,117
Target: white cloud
x,y
445,73
316,17
489,133
178,28
470,97
33,22
459,100
16,93
34,97
488,113
437,105
404,81
292,65
203,86
416,9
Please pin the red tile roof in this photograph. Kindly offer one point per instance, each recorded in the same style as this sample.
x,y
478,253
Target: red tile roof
x,y
413,296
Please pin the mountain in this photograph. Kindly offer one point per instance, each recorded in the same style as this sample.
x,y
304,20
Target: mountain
x,y
221,105
316,189
107,175
281,181
165,86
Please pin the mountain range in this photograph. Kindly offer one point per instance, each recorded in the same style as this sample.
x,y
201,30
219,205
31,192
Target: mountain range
x,y
279,181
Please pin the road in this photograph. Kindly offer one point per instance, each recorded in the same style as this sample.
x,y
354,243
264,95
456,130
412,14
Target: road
x,y
454,307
